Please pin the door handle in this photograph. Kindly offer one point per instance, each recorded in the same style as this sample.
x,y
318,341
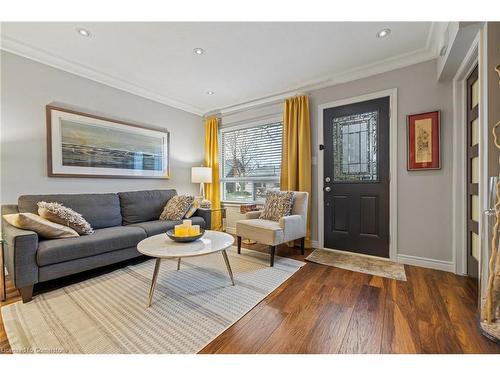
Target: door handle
x,y
328,189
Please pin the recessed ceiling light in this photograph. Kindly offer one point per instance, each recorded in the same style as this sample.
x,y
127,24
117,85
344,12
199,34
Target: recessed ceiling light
x,y
83,32
210,92
383,33
199,51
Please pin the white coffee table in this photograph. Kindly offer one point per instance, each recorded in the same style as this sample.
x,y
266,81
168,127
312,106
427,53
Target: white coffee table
x,y
161,246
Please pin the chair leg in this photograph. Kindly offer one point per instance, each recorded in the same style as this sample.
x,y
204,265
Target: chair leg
x,y
26,293
273,251
239,244
302,245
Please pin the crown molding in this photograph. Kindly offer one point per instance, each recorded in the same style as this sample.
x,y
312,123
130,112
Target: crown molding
x,y
18,48
379,67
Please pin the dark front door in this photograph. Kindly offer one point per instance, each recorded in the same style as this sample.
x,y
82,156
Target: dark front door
x,y
356,177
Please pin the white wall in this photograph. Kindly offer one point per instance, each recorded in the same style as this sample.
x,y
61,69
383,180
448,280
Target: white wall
x,y
27,87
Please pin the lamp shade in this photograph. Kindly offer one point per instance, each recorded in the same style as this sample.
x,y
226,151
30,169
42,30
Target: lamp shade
x,y
201,174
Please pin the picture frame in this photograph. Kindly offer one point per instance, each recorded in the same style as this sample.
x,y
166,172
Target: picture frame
x,y
424,141
85,145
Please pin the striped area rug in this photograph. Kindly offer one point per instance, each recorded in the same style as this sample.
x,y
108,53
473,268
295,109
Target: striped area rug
x,y
108,314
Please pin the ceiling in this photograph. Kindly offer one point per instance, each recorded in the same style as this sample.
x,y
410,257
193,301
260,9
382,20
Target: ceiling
x,y
242,62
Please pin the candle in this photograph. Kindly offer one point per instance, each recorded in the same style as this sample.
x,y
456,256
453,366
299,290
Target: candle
x,y
181,230
194,230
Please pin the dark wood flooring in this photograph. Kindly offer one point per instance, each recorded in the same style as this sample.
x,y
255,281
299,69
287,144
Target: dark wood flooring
x,y
323,309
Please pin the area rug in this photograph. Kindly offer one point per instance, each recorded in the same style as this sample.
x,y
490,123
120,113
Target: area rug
x,y
108,313
359,263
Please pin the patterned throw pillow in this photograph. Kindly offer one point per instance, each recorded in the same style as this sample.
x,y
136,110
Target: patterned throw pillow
x,y
57,213
43,227
176,207
278,204
194,206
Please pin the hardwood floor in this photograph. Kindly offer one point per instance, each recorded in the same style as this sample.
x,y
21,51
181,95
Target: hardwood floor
x,y
323,309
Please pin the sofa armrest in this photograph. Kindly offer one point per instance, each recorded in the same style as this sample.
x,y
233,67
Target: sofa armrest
x,y
294,227
206,214
253,214
20,249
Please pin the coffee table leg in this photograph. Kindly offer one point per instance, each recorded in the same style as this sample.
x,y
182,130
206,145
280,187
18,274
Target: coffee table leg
x,y
178,264
153,281
228,266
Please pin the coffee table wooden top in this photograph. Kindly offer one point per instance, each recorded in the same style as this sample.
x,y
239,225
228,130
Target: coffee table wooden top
x,y
161,246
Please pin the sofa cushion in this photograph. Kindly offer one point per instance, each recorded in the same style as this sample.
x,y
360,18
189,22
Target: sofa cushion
x,y
268,232
161,226
102,241
100,210
146,205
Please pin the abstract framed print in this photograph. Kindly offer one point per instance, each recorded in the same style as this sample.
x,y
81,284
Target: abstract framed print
x,y
423,141
84,145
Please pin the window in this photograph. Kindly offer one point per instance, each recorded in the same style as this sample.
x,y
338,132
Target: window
x,y
250,162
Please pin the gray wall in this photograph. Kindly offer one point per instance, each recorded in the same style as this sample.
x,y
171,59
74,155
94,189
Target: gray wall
x,y
27,87
424,197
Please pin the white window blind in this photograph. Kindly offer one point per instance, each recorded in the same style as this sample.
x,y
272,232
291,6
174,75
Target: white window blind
x,y
250,162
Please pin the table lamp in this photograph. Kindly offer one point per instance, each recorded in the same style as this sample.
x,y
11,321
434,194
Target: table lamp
x,y
201,175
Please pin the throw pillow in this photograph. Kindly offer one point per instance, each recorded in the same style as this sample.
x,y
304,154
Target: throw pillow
x,y
176,207
194,206
41,226
277,205
60,214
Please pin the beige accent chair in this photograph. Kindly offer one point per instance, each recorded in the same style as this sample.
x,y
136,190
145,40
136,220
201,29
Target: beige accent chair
x,y
274,233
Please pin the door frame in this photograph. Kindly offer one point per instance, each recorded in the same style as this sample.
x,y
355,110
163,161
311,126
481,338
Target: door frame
x,y
459,189
393,163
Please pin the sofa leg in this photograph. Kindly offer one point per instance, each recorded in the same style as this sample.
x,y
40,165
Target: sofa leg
x,y
302,245
239,244
273,251
26,293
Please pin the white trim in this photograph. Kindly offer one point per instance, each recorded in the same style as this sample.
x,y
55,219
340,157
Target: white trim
x,y
16,47
393,163
442,265
252,123
459,188
428,52
378,67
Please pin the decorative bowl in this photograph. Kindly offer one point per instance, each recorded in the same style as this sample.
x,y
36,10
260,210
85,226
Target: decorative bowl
x,y
170,233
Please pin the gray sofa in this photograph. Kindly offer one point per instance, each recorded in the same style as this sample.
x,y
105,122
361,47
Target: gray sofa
x,y
120,222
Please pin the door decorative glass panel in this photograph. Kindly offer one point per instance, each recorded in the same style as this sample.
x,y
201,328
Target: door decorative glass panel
x,y
355,147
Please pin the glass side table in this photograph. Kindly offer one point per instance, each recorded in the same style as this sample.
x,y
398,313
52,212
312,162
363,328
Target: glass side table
x,y
2,265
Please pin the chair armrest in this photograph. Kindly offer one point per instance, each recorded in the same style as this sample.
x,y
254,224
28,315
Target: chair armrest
x,y
20,249
294,227
253,214
206,214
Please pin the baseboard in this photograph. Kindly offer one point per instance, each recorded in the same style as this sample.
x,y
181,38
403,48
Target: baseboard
x,y
435,264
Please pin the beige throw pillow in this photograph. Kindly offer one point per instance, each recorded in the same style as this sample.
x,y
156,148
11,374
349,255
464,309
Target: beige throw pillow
x,y
41,226
60,214
176,207
194,206
277,205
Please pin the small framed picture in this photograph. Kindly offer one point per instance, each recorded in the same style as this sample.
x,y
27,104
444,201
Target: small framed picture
x,y
423,141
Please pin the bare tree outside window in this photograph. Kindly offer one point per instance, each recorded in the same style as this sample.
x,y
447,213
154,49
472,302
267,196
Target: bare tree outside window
x,y
251,161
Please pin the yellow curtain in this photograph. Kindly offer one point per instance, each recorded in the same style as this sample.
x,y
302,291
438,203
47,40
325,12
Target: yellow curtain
x,y
296,159
212,191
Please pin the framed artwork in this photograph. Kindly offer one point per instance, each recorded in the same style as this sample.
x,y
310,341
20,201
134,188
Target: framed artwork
x,y
85,145
423,141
